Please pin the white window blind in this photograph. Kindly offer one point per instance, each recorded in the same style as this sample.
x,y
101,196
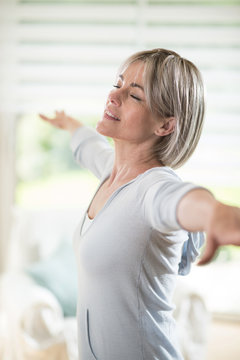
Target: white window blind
x,y
67,52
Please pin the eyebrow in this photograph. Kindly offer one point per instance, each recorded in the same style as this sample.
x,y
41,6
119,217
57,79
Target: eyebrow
x,y
133,84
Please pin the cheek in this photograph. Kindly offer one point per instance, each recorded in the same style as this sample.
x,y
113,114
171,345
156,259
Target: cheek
x,y
139,120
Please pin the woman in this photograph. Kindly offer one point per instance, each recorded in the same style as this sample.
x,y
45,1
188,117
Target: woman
x,y
141,227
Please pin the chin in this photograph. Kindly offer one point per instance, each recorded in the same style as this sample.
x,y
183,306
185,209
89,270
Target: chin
x,y
101,129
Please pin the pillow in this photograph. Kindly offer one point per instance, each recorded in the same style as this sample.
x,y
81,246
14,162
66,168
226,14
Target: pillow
x,y
59,275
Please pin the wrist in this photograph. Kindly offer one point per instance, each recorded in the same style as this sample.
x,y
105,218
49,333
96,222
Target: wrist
x,y
73,124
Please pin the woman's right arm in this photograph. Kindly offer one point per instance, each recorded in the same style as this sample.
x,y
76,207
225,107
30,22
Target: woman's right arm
x,y
90,149
63,121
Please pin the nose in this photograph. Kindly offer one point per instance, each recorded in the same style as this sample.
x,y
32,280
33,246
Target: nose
x,y
114,98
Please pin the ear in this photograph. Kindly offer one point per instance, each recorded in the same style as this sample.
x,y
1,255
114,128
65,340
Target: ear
x,y
166,127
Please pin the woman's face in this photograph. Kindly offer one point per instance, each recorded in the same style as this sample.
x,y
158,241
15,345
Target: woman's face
x,y
126,115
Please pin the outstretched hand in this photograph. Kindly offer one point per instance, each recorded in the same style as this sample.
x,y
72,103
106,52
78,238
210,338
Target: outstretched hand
x,y
223,229
62,121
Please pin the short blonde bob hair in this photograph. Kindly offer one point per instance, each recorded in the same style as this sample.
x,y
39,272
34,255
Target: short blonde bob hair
x,y
173,88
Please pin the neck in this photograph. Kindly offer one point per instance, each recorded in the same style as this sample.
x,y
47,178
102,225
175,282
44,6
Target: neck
x,y
130,161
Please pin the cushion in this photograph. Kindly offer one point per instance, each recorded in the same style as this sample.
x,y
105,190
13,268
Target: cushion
x,y
58,273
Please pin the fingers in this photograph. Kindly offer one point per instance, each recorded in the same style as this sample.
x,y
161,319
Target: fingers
x,y
59,115
55,121
62,121
43,117
209,252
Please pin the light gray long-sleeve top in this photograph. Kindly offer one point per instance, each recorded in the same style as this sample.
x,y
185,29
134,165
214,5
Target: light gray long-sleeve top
x,y
128,260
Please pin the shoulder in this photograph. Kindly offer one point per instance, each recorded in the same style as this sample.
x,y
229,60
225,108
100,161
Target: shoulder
x,y
157,175
155,183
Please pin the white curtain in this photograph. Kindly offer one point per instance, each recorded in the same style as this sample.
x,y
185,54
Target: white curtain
x,y
7,117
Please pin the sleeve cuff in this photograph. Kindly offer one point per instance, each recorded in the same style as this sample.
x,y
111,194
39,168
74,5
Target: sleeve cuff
x,y
82,134
186,189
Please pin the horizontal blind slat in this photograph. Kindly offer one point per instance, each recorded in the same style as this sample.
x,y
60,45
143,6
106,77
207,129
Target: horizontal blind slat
x,y
164,36
187,14
72,13
124,13
217,58
195,36
83,33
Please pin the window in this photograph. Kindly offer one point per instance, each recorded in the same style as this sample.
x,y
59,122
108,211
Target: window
x,y
65,55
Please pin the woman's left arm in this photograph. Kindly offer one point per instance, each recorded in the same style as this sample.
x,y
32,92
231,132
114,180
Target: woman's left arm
x,y
198,210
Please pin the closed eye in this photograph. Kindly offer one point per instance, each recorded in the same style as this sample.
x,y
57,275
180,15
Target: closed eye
x,y
136,98
133,96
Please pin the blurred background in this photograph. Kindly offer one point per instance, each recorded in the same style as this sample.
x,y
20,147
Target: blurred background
x,y
63,55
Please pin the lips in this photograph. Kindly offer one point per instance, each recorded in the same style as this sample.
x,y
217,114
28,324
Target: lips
x,y
111,115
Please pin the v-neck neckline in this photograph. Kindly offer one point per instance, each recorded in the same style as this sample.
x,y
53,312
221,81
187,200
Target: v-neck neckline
x,y
107,201
111,196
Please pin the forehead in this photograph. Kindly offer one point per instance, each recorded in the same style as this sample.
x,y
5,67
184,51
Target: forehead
x,y
133,72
